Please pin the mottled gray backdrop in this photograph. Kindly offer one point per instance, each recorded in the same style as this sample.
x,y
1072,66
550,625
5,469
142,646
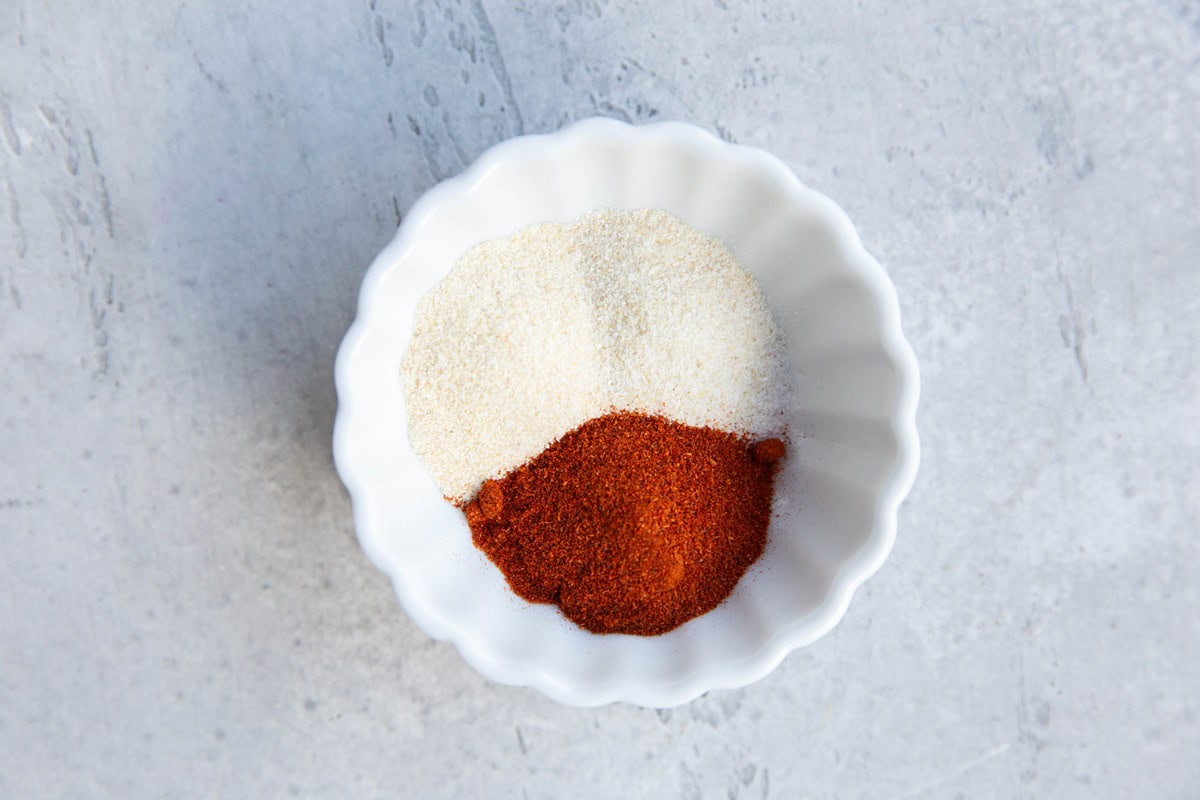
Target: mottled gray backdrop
x,y
190,193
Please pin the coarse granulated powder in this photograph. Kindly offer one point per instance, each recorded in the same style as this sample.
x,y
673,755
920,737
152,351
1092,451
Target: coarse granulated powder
x,y
531,336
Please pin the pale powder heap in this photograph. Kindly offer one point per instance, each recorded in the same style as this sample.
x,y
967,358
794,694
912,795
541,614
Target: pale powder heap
x,y
531,336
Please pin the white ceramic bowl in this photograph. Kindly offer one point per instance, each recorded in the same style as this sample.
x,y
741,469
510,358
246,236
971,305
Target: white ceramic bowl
x,y
854,453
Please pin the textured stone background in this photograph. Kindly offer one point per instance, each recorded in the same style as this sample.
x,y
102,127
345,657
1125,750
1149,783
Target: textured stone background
x,y
189,197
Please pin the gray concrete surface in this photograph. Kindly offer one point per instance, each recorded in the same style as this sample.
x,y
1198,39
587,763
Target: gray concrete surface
x,y
189,197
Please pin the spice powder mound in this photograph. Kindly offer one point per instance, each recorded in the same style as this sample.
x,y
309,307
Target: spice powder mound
x,y
532,335
630,523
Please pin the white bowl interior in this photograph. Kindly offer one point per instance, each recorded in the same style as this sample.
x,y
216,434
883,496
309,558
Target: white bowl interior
x,y
854,449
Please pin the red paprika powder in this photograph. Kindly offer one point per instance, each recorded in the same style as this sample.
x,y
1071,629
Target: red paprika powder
x,y
630,523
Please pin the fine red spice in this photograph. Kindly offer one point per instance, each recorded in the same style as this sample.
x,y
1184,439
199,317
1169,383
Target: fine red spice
x,y
630,523
768,451
491,499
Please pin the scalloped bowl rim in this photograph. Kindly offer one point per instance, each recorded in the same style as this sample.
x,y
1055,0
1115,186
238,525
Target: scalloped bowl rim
x,y
857,569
